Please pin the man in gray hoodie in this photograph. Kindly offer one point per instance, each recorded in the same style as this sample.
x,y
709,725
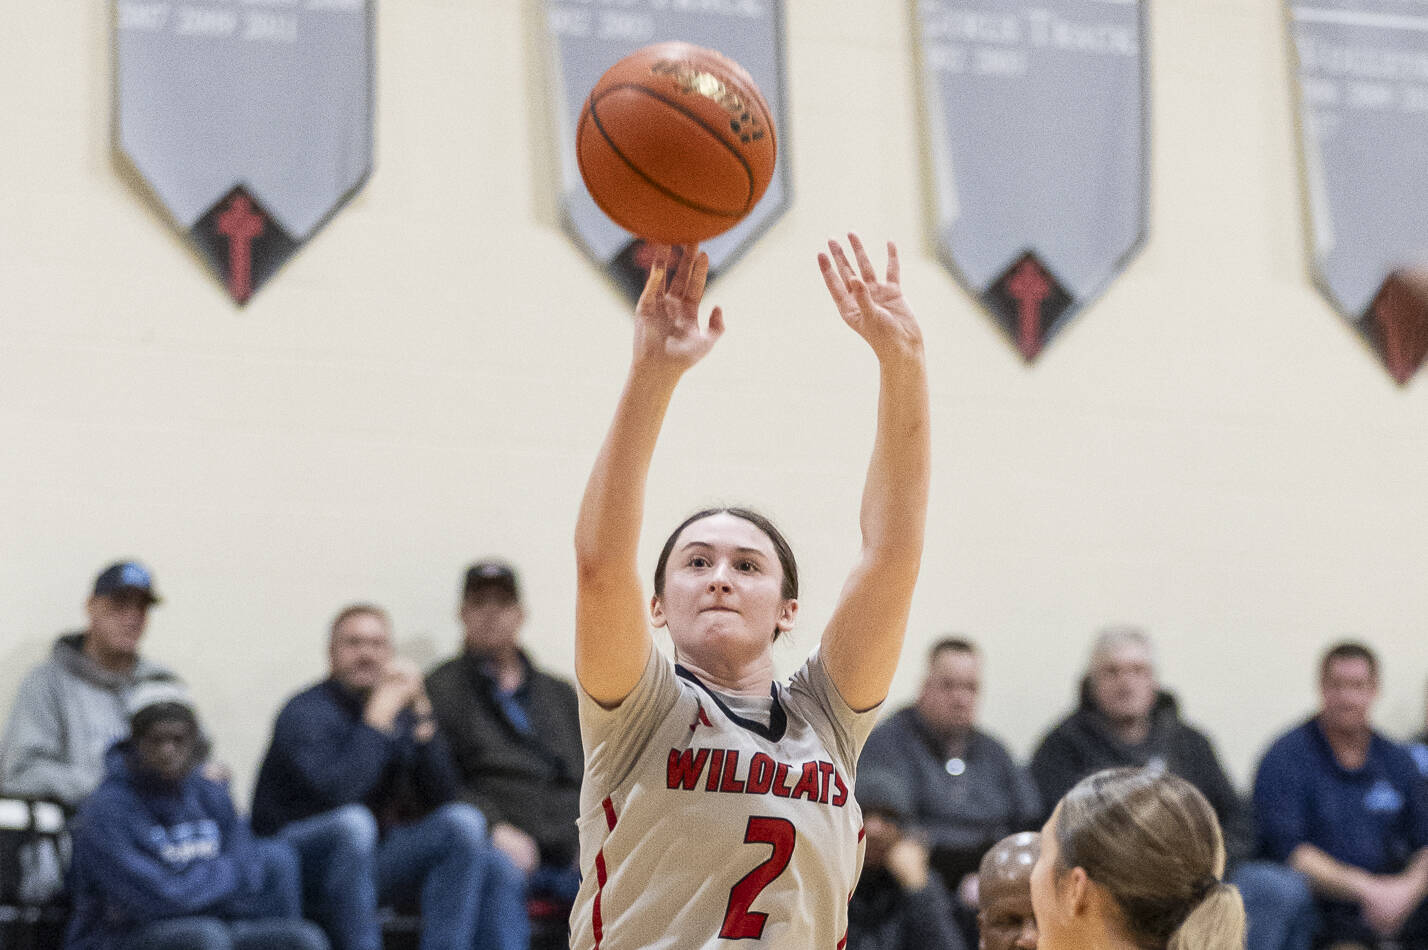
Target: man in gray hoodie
x,y
71,707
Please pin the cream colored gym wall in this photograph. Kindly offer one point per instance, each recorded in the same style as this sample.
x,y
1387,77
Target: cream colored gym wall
x,y
1208,451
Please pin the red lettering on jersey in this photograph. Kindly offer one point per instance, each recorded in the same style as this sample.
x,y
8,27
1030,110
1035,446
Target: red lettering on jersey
x,y
685,768
716,762
825,770
807,786
841,798
761,773
780,782
731,763
700,720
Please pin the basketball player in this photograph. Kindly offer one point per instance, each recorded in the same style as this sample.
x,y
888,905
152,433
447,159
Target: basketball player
x,y
717,804
1131,860
1005,919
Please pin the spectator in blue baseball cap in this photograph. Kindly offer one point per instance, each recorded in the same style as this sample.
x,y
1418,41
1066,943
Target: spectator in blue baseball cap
x,y
72,707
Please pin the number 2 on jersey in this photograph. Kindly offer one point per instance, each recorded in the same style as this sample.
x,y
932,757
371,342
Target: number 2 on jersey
x,y
739,922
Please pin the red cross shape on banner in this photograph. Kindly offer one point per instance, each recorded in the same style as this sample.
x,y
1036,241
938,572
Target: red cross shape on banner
x,y
1029,288
241,225
1028,300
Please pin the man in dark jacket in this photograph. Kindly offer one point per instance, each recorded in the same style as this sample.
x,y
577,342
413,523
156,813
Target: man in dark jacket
x,y
967,792
899,903
514,732
162,859
359,778
1125,719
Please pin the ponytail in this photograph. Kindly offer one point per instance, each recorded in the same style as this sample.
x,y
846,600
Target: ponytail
x,y
1216,923
1153,842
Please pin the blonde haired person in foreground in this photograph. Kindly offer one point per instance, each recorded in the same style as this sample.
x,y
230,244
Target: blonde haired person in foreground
x,y
1132,858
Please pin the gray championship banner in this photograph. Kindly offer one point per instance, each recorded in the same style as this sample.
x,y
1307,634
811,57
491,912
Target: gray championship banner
x,y
1035,115
250,120
1363,118
587,37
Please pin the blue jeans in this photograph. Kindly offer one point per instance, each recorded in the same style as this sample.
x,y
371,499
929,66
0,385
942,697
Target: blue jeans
x,y
210,933
338,851
471,896
1279,906
280,892
558,882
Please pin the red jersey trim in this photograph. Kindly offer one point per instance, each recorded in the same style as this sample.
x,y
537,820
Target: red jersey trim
x,y
596,924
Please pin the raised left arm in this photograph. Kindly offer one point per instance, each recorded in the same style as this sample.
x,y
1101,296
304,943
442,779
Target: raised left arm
x,y
863,640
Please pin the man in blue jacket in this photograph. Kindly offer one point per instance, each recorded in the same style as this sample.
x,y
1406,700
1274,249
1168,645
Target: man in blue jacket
x,y
1344,806
359,778
161,860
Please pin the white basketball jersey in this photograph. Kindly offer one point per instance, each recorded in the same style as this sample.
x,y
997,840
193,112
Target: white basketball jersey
x,y
710,820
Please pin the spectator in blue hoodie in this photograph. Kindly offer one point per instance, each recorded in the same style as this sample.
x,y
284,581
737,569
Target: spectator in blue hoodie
x,y
161,859
360,779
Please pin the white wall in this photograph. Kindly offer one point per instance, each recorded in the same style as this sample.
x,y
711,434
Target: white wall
x,y
1208,450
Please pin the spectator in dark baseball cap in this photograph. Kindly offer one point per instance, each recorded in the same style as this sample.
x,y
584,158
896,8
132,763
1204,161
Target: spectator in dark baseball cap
x,y
494,577
514,731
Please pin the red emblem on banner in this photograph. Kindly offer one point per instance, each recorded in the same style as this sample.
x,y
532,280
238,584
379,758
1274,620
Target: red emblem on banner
x,y
1027,300
1397,324
242,243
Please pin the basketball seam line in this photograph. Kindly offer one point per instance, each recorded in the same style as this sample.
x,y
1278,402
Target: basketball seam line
x,y
748,171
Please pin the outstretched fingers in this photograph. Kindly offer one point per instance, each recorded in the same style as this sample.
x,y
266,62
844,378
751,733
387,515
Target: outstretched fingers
x,y
698,277
680,282
863,295
833,279
840,260
865,264
654,283
894,266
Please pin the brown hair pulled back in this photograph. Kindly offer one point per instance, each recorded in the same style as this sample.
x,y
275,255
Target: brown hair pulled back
x,y
780,545
1151,839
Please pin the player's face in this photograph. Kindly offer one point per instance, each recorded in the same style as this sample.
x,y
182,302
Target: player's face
x,y
1348,690
492,620
1007,920
1123,682
1052,917
360,650
168,749
948,702
117,620
723,592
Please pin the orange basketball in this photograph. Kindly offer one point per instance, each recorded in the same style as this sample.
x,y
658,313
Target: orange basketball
x,y
676,143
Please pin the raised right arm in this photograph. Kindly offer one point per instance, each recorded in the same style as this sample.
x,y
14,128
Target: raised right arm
x,y
612,638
